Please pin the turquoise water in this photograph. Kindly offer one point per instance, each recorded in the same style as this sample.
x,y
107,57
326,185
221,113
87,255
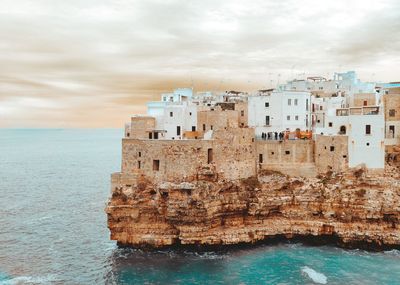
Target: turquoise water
x,y
53,188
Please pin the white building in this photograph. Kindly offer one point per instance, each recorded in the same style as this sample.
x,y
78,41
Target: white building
x,y
278,111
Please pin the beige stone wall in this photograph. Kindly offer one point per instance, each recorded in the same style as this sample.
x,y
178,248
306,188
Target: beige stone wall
x,y
217,119
141,126
290,151
235,155
392,102
359,99
331,153
242,110
184,160
179,160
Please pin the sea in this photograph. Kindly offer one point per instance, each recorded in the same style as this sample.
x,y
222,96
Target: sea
x,y
54,185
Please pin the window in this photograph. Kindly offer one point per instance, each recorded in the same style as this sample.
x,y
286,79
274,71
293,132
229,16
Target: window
x,y
267,120
296,101
320,108
156,165
178,130
306,104
204,127
127,134
289,102
272,153
321,88
242,113
266,104
318,121
156,136
287,152
332,148
391,131
368,144
260,158
392,112
367,129
209,155
296,118
288,118
330,124
171,114
211,127
193,128
365,103
138,164
190,113
140,154
150,135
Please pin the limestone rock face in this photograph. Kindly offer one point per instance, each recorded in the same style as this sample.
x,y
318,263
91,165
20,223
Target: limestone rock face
x,y
352,208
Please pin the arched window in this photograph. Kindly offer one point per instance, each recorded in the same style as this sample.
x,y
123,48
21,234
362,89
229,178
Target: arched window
x,y
342,130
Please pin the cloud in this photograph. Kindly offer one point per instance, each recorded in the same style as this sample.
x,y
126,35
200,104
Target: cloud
x,y
95,63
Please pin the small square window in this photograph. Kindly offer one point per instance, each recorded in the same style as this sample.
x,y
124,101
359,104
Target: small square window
x,y
296,101
190,113
330,124
267,104
392,112
171,114
288,118
272,153
287,152
289,102
140,154
296,118
332,148
242,113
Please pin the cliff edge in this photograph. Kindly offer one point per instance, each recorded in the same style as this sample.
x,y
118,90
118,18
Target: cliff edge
x,y
353,208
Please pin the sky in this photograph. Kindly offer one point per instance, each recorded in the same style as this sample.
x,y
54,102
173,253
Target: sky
x,y
94,63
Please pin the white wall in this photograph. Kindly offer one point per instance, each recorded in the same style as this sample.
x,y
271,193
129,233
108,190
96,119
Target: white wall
x,y
373,155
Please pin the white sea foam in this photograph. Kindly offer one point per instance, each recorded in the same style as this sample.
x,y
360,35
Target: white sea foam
x,y
315,276
49,279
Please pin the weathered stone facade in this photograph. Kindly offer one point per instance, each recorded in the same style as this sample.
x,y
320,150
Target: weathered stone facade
x,y
331,153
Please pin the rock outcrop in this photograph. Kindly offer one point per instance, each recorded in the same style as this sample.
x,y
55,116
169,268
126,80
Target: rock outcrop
x,y
354,208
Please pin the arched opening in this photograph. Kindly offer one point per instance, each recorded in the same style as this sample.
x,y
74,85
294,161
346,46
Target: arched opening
x,y
342,130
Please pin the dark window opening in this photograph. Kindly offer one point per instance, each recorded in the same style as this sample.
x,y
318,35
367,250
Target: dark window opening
x,y
127,134
260,158
156,136
344,156
242,113
367,144
267,120
365,103
272,153
330,124
211,127
138,164
190,113
150,135
178,130
156,165
367,129
193,128
287,152
392,112
332,148
342,130
209,155
391,130
267,104
204,127
171,114
140,154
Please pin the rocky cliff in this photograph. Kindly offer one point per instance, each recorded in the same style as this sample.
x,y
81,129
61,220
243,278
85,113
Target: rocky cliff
x,y
354,209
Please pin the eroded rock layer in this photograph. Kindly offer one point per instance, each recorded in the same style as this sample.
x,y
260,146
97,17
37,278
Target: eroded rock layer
x,y
353,208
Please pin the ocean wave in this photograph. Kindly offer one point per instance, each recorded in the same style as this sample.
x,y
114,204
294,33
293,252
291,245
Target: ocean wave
x,y
315,276
31,280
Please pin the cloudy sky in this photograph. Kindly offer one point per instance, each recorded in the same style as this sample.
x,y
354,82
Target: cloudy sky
x,y
93,63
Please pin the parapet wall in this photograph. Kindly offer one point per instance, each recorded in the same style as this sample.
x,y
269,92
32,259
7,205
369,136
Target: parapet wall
x,y
228,155
291,157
